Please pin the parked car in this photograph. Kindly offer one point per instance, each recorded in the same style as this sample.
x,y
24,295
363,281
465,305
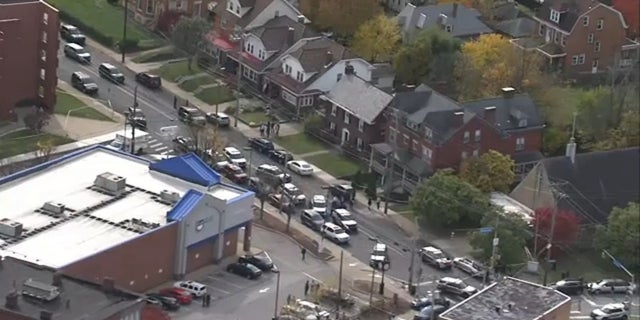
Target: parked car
x,y
111,73
430,312
137,117
280,156
294,194
312,219
254,185
612,311
335,233
153,301
470,267
72,34
569,286
272,174
261,145
77,52
344,219
435,257
83,82
236,157
233,172
168,303
220,119
191,116
422,302
262,260
245,270
278,200
611,286
151,81
455,286
307,308
184,144
300,167
318,204
183,296
195,288
379,255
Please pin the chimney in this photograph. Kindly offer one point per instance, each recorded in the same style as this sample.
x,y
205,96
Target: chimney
x,y
301,19
490,114
291,33
56,279
498,308
108,285
455,10
442,20
508,92
348,69
571,150
458,118
329,57
46,315
11,300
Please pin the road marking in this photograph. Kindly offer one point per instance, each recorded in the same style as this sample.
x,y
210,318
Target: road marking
x,y
264,290
155,145
589,301
353,264
159,149
576,311
425,283
225,281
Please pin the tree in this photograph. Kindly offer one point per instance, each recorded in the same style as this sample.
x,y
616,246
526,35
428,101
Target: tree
x,y
490,63
378,39
621,236
341,17
207,141
595,112
493,171
627,134
512,233
565,232
36,120
44,149
188,34
446,200
466,3
263,194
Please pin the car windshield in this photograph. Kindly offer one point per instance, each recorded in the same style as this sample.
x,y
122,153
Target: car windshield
x,y
252,267
379,252
317,217
319,203
276,171
236,170
460,285
345,215
137,114
439,255
340,231
73,30
235,156
264,257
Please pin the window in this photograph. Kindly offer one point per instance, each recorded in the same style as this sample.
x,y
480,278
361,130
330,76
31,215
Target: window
x,y
44,37
563,40
250,48
287,69
574,60
448,28
346,117
179,4
520,144
522,123
477,136
556,37
415,146
300,76
590,38
360,125
581,59
359,144
554,16
428,133
306,101
223,22
43,55
596,46
43,73
260,54
465,139
332,127
464,155
541,30
594,64
426,153
392,135
585,21
405,139
45,18
475,153
140,6
600,24
333,109
150,6
230,7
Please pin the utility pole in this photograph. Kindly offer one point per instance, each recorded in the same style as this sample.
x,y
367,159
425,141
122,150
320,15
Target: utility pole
x,y
340,279
373,274
411,265
124,29
494,249
238,93
132,119
275,310
550,244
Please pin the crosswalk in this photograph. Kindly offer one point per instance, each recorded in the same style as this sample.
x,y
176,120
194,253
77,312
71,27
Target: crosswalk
x,y
159,147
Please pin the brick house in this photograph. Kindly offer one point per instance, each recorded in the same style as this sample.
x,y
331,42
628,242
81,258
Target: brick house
x,y
631,14
428,131
353,113
148,12
581,37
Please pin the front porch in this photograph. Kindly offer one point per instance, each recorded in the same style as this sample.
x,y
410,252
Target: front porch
x,y
553,52
398,169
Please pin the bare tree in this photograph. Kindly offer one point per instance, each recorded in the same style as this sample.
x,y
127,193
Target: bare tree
x,y
207,141
45,147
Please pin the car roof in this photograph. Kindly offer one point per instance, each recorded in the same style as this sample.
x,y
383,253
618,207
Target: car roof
x,y
380,247
266,166
331,225
108,65
341,211
614,306
319,197
432,249
74,45
290,186
81,74
451,279
69,26
231,150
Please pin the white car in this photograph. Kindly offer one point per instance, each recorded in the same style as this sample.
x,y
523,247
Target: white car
x,y
469,266
611,286
236,157
319,204
195,288
344,219
312,309
292,192
335,233
300,167
611,311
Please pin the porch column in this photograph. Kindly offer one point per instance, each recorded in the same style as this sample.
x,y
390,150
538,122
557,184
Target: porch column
x,y
246,243
371,161
404,175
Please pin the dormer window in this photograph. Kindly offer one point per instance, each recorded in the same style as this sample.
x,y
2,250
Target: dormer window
x,y
428,133
554,16
449,28
287,69
522,123
412,125
300,76
230,6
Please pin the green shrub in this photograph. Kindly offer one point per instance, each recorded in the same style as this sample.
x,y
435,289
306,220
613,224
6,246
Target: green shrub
x,y
113,2
87,29
230,110
313,122
129,45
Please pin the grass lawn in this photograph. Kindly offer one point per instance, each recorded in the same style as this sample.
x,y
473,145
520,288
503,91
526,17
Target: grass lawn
x,y
157,56
107,19
193,84
215,95
256,117
336,165
589,265
171,71
66,102
300,143
25,141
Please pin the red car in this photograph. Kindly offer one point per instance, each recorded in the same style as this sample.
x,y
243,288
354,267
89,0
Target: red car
x,y
181,295
235,173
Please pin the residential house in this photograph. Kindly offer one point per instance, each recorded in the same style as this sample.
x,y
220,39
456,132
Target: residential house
x,y
149,12
353,113
460,21
516,28
232,18
398,5
588,184
581,36
631,13
264,44
428,131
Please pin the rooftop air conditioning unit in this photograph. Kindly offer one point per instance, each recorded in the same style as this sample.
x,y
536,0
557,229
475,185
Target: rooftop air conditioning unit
x,y
169,196
10,228
54,208
39,290
110,183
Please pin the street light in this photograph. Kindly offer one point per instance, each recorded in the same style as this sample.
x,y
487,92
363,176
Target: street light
x,y
383,266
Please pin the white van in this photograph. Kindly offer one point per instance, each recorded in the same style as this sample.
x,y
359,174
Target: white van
x,y
123,140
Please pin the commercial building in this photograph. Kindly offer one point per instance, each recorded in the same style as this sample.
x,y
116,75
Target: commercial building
x,y
28,55
512,299
102,214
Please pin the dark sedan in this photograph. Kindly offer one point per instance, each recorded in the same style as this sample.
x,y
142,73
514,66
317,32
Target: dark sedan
x,y
280,156
420,303
245,270
149,80
570,286
260,260
262,145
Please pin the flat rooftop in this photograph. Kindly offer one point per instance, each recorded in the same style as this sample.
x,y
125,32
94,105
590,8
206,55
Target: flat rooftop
x,y
528,301
86,300
93,220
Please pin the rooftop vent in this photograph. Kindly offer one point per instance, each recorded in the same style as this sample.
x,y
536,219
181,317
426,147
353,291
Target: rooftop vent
x,y
110,183
11,300
301,19
169,196
141,225
10,228
56,209
39,290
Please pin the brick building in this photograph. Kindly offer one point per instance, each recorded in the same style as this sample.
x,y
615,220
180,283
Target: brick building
x,y
28,55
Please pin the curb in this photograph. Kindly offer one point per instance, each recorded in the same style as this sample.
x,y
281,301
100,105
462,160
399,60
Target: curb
x,y
331,256
12,131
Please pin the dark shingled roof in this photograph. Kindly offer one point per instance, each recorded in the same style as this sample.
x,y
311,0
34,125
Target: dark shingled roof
x,y
256,6
517,28
508,111
86,300
528,301
274,33
570,11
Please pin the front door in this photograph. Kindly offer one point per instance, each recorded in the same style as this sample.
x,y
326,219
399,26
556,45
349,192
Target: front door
x,y
345,136
594,66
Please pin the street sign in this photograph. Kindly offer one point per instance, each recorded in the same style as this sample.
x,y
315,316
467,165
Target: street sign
x,y
485,230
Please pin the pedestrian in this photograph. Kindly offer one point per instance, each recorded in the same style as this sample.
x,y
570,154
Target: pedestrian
x,y
276,128
303,252
204,301
369,204
262,130
208,300
378,204
306,288
268,129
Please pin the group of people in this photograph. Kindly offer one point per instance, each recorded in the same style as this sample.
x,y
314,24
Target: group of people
x,y
270,128
206,300
312,287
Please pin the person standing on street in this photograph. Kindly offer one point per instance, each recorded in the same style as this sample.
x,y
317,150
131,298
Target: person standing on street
x,y
303,252
378,203
369,204
306,288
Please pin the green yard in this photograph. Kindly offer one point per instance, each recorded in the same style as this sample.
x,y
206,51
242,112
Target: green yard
x,y
66,102
193,84
215,95
171,71
157,56
336,165
589,265
106,20
300,143
257,117
25,141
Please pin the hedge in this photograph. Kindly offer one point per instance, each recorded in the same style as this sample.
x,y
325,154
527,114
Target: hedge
x,y
87,29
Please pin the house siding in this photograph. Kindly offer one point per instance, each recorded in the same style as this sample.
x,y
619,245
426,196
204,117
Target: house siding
x,y
371,133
